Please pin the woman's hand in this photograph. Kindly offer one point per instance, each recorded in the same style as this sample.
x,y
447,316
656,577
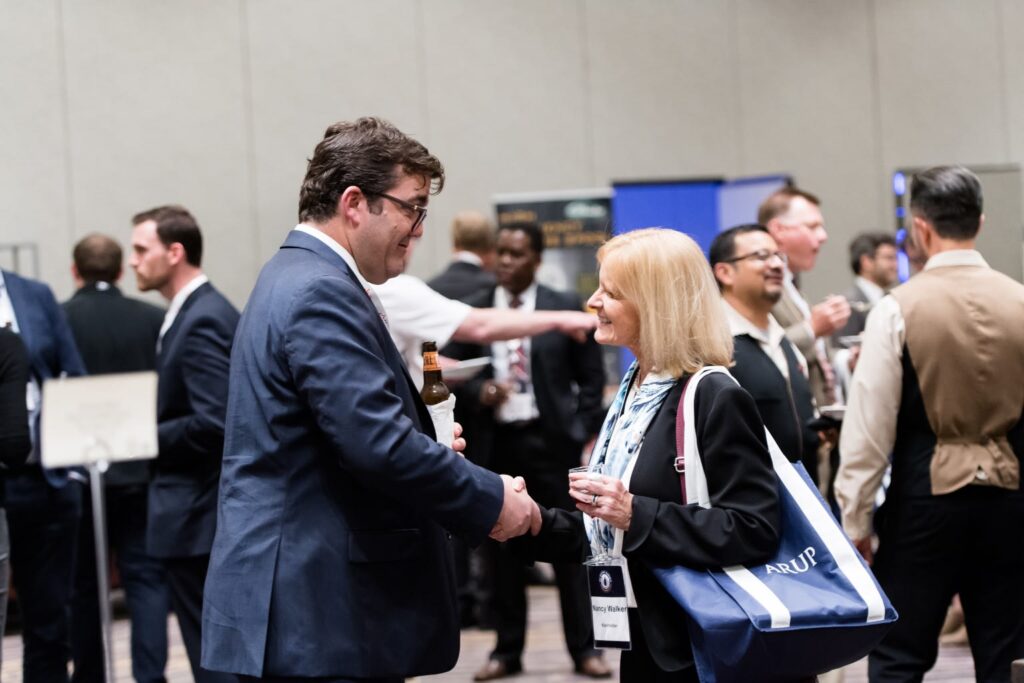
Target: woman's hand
x,y
602,497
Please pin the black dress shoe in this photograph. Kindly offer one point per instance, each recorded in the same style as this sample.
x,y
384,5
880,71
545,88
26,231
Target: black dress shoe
x,y
497,668
593,666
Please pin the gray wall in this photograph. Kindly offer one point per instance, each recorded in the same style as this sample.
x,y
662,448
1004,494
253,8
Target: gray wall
x,y
112,106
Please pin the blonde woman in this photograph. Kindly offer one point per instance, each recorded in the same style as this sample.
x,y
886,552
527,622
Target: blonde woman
x,y
658,298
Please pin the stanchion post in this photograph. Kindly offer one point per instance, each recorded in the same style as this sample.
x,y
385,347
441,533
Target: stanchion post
x,y
99,528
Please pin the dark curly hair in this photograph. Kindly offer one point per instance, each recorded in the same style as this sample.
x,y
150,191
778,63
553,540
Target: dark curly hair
x,y
367,153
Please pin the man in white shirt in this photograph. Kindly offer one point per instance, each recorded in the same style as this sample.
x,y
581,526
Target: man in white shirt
x,y
416,313
939,390
749,269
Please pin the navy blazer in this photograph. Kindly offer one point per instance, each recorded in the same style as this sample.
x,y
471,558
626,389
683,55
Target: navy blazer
x,y
332,557
47,336
191,402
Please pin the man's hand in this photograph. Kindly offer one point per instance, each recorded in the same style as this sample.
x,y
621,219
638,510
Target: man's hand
x,y
851,361
459,444
516,511
493,394
830,315
863,546
576,324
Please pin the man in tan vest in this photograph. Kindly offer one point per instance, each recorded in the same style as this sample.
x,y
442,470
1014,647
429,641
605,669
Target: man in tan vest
x,y
940,386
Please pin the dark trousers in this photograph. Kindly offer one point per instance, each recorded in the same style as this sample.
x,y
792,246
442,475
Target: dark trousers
x,y
293,679
544,462
145,588
43,523
186,576
970,542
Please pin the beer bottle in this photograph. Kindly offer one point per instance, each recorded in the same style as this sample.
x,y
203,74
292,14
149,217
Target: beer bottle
x,y
434,389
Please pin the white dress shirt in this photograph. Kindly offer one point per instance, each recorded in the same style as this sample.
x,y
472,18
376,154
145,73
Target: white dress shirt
x,y
520,406
177,302
770,340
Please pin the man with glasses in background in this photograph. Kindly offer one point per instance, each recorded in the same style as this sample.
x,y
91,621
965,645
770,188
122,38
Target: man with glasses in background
x,y
750,269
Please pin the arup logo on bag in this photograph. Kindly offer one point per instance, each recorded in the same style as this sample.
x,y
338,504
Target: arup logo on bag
x,y
798,565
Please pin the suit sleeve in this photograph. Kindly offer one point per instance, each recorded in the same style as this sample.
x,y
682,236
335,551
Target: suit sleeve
x,y
562,538
742,525
338,364
205,361
15,443
802,336
68,359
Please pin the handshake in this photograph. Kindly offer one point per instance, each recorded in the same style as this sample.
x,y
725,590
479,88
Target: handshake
x,y
519,512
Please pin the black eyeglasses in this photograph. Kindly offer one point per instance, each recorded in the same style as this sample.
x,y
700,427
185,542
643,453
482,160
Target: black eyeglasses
x,y
420,211
762,255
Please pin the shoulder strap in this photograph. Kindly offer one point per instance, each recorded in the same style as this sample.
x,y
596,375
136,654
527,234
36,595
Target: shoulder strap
x,y
686,425
680,463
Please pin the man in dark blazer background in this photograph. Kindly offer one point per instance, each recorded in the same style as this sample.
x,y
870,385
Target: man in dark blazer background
x,y
193,355
470,269
115,333
536,406
43,506
332,556
749,269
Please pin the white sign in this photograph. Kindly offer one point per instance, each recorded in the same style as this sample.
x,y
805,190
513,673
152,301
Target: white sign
x,y
90,419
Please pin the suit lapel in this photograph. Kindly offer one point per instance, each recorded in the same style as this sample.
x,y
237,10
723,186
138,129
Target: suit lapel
x,y
301,240
172,332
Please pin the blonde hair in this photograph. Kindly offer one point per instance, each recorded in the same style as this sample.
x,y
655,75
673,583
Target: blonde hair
x,y
473,231
664,274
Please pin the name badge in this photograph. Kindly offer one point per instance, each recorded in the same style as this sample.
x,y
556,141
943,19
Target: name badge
x,y
609,605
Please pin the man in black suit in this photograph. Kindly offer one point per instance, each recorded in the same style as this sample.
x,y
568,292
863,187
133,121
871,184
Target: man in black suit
x,y
116,334
193,353
749,269
469,272
540,401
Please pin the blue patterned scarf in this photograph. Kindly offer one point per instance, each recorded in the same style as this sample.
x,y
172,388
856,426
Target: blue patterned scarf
x,y
620,439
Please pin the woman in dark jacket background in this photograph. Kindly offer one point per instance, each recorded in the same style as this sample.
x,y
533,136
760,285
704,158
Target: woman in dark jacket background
x,y
657,297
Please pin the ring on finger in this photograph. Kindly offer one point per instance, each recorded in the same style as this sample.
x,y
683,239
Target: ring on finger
x,y
593,501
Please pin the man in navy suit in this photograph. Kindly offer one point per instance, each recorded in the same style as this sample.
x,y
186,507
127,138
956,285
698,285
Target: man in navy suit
x,y
193,354
43,507
332,557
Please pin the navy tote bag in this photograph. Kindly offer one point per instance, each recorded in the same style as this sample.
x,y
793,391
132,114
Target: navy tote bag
x,y
813,608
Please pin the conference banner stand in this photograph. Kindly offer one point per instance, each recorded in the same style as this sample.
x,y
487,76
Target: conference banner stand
x,y
94,422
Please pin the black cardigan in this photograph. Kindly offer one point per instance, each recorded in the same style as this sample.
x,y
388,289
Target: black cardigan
x,y
741,527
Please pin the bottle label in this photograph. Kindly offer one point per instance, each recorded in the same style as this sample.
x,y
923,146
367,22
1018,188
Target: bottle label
x,y
430,361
